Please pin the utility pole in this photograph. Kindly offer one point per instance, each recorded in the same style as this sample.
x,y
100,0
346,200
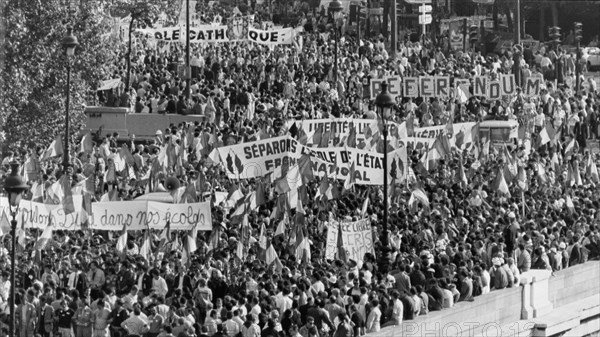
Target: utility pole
x,y
518,23
578,30
394,36
188,69
464,35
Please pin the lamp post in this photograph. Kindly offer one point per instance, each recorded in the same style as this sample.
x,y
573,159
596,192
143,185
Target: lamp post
x,y
384,102
14,187
335,7
69,43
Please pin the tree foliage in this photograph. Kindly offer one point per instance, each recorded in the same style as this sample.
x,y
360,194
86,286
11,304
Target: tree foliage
x,y
33,81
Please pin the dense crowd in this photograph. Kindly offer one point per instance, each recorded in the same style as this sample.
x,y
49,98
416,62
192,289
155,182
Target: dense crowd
x,y
470,240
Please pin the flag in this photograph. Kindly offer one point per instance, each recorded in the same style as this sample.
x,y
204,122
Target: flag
x,y
303,248
461,176
442,145
365,206
325,139
449,129
189,194
281,185
571,148
541,172
55,149
341,251
577,173
499,184
351,142
67,201
522,179
262,238
410,125
305,169
544,137
460,139
351,179
213,240
260,198
281,227
418,196
569,204
146,248
5,227
86,144
165,236
591,171
318,135
475,134
272,259
46,236
122,240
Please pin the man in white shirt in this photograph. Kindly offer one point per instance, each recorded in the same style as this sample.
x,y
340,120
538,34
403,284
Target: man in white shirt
x,y
159,285
134,325
283,301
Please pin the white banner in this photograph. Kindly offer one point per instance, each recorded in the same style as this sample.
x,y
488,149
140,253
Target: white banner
x,y
256,159
138,215
271,37
343,126
434,131
37,215
201,34
109,84
113,215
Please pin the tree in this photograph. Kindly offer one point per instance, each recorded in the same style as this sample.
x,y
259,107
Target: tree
x,y
33,75
144,12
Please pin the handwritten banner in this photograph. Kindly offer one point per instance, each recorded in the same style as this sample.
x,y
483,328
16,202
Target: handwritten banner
x,y
357,239
39,215
135,215
139,215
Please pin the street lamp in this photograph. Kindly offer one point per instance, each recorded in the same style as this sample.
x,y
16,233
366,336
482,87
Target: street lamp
x,y
69,43
335,7
384,102
14,187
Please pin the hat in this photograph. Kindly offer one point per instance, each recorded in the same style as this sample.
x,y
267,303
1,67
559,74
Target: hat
x,y
158,133
562,245
511,215
496,261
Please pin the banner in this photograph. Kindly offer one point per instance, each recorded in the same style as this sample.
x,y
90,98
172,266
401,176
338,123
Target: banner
x,y
357,239
205,33
342,126
109,84
141,214
271,37
136,215
256,159
38,215
434,131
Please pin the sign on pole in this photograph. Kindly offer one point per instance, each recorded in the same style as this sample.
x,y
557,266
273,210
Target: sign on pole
x,y
418,2
425,19
425,9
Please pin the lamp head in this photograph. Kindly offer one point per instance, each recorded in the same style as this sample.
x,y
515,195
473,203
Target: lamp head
x,y
335,6
70,42
14,185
